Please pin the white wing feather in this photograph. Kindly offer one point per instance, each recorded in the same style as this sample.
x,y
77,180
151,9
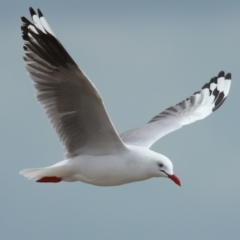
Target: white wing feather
x,y
198,106
71,101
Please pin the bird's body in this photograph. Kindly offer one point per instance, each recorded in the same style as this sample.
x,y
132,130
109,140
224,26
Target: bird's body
x,y
131,165
95,153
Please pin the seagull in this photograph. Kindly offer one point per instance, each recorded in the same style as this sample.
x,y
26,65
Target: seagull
x,y
94,152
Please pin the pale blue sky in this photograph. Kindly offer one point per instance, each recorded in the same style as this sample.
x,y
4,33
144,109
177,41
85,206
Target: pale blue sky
x,y
143,56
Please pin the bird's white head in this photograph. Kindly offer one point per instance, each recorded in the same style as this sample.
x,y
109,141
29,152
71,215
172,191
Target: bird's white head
x,y
163,167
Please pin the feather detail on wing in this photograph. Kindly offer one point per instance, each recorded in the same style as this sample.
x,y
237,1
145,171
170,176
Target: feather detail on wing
x,y
198,106
71,101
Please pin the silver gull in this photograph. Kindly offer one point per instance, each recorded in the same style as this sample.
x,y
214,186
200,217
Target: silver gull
x,y
95,153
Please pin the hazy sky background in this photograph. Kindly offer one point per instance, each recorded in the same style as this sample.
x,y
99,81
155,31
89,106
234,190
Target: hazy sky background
x,y
143,56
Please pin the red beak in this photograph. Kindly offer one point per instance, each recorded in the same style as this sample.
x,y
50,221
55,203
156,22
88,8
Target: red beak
x,y
175,179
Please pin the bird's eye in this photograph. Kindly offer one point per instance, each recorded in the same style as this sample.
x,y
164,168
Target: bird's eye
x,y
160,165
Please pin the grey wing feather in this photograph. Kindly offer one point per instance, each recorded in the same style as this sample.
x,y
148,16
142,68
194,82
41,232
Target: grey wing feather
x,y
72,103
198,106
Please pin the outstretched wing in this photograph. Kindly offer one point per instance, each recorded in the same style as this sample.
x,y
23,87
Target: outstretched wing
x,y
198,106
71,101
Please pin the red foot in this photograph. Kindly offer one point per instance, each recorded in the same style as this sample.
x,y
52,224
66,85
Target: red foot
x,y
50,179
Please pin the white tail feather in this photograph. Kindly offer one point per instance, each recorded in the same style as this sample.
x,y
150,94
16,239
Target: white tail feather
x,y
37,173
33,173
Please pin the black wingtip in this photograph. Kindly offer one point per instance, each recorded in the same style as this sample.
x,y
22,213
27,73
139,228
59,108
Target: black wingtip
x,y
221,74
32,12
219,105
23,28
207,85
229,76
39,13
214,79
25,37
24,20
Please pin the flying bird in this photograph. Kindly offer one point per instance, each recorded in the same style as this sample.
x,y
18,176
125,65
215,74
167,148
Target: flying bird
x,y
95,153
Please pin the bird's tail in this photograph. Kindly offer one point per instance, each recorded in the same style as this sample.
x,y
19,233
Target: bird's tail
x,y
47,174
